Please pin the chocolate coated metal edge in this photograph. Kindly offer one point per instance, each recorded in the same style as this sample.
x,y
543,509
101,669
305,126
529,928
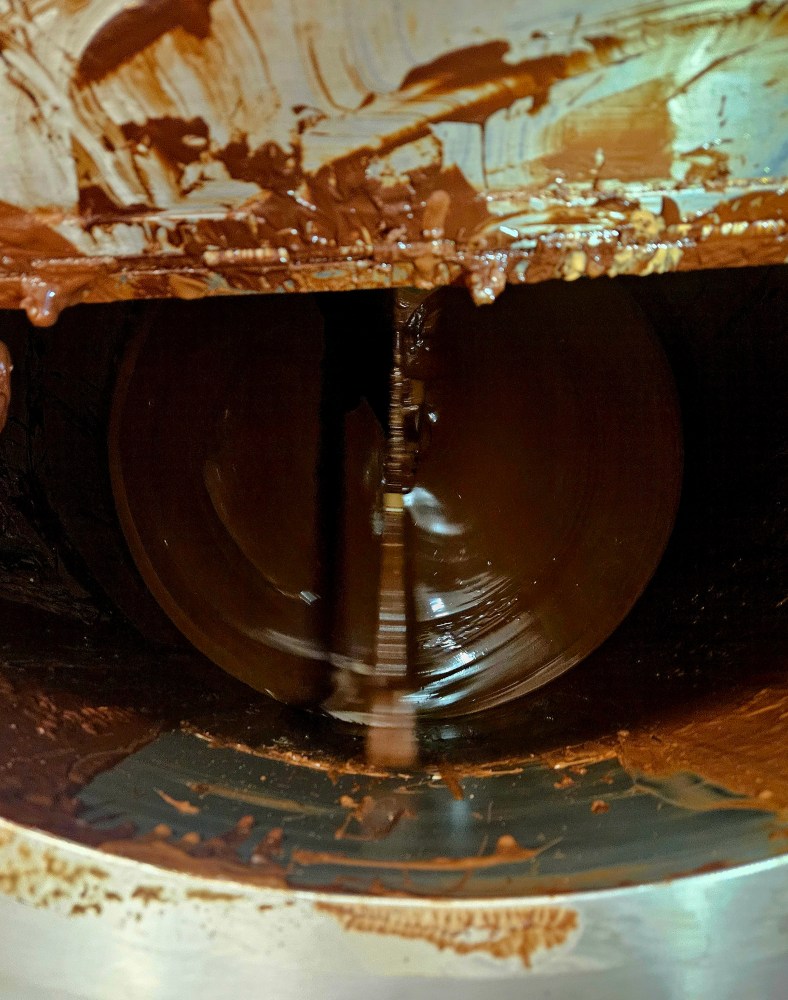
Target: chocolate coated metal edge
x,y
641,244
261,928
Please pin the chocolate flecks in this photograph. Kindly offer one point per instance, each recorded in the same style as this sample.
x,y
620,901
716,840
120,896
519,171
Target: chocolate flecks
x,y
135,28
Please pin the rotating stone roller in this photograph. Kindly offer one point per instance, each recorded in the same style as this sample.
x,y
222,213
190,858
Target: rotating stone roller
x,y
458,521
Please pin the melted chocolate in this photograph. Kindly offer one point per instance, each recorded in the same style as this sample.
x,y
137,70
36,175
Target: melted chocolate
x,y
545,487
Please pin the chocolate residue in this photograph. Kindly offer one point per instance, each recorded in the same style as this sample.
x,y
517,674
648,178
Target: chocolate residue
x,y
275,167
183,806
214,858
244,253
452,782
755,206
270,847
178,142
26,234
6,367
374,818
740,747
203,788
475,164
637,143
333,766
473,64
44,299
97,206
507,852
517,932
137,26
698,740
56,741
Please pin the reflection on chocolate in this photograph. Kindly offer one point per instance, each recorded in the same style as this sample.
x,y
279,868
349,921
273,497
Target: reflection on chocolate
x,y
546,492
248,470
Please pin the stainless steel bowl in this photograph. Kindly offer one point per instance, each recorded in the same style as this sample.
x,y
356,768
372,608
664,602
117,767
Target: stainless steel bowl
x,y
621,830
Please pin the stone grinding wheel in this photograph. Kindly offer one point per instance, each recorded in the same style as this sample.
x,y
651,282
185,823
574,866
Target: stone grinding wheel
x,y
248,487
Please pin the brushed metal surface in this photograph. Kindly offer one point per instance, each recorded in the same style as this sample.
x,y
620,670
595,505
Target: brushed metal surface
x,y
85,926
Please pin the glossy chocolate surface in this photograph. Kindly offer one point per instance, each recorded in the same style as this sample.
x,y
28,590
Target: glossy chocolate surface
x,y
248,469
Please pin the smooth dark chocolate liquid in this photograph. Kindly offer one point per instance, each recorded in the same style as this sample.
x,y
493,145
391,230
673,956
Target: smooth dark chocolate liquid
x,y
253,475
